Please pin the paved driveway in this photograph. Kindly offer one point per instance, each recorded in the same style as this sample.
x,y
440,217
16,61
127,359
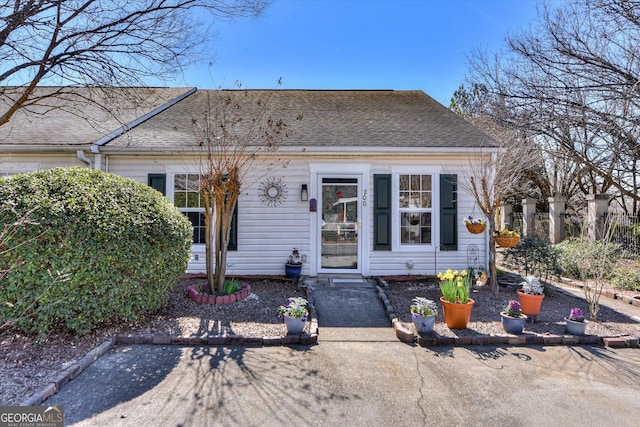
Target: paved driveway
x,y
356,384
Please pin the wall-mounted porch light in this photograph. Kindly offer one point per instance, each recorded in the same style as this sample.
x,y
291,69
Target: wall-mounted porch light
x,y
304,193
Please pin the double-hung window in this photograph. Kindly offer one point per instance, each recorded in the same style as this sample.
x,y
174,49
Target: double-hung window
x,y
187,198
415,203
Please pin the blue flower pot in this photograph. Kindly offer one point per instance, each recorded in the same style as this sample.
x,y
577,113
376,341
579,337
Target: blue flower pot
x,y
513,325
292,271
576,328
295,325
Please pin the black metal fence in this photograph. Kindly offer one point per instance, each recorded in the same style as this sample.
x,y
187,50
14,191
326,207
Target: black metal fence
x,y
624,230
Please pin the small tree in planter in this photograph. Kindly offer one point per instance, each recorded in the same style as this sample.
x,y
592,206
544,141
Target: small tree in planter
x,y
491,180
238,138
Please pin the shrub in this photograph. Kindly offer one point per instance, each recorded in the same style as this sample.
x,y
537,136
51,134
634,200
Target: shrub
x,y
120,245
591,262
576,256
626,278
533,257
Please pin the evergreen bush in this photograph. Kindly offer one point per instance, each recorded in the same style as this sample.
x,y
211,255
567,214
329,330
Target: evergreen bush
x,y
118,245
533,257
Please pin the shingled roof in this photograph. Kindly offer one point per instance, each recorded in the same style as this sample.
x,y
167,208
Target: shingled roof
x,y
76,117
329,118
160,119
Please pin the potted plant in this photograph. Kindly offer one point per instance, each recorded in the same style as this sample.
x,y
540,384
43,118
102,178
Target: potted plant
x,y
576,324
513,319
456,304
295,314
480,277
531,295
423,313
506,238
293,266
475,225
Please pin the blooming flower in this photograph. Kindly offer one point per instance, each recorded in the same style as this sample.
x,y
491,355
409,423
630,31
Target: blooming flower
x,y
513,309
576,315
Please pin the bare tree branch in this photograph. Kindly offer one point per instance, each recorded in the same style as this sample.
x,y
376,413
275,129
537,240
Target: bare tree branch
x,y
101,42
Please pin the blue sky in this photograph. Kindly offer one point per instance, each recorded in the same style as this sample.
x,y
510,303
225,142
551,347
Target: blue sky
x,y
358,44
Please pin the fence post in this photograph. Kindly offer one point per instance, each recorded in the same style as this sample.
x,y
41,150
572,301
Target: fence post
x,y
528,216
597,208
557,206
505,217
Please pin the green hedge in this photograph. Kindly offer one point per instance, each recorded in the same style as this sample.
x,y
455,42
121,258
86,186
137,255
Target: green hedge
x,y
120,245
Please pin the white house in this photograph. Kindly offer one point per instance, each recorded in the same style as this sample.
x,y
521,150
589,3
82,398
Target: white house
x,y
371,185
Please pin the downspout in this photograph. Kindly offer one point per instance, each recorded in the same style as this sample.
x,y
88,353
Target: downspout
x,y
97,156
82,157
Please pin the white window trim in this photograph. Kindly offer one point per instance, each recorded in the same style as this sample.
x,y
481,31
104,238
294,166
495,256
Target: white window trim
x,y
171,172
396,171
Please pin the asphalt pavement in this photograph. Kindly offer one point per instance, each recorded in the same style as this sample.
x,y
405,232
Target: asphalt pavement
x,y
348,380
356,384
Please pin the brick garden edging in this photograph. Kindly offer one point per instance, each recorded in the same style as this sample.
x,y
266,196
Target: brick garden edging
x,y
405,335
402,333
192,292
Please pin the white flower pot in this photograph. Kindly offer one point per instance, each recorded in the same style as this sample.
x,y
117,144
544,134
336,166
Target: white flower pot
x,y
295,325
424,324
576,328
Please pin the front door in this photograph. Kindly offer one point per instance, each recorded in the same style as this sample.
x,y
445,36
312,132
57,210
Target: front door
x,y
340,224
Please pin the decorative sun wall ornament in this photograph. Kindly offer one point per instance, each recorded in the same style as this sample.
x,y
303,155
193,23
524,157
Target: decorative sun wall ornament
x,y
273,191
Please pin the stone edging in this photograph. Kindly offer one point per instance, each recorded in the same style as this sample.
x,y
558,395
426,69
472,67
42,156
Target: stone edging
x,y
407,336
66,375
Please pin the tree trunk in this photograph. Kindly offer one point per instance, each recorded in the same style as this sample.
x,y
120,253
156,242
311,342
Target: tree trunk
x,y
209,245
493,274
220,247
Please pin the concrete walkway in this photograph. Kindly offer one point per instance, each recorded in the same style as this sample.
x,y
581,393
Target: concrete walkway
x,y
349,309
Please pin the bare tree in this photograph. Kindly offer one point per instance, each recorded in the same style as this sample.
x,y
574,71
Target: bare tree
x,y
490,181
99,43
595,260
239,136
573,79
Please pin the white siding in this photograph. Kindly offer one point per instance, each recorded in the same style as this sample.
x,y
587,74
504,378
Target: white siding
x,y
266,235
19,163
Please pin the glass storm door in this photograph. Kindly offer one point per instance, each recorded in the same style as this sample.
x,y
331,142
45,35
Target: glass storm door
x,y
340,224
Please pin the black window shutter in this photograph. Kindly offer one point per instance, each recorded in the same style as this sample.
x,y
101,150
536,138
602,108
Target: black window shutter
x,y
449,212
233,234
382,212
158,181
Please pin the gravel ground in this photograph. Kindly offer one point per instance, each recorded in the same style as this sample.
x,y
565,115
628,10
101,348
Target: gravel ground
x,y
27,367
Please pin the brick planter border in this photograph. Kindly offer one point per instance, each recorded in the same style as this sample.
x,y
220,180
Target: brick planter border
x,y
192,292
